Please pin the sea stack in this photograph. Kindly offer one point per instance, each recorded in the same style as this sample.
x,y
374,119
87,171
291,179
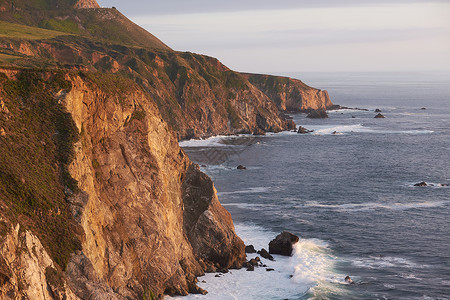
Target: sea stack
x,y
283,244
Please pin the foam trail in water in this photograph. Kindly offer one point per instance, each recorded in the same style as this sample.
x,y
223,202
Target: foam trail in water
x,y
359,128
253,190
375,205
216,141
311,268
381,262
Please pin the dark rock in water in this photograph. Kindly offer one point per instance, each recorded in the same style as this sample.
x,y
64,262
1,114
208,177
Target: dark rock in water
x,y
223,270
335,132
265,254
318,114
250,249
241,167
379,116
283,244
377,110
258,131
348,279
217,275
198,290
270,269
254,261
303,130
353,117
423,183
251,268
423,108
290,124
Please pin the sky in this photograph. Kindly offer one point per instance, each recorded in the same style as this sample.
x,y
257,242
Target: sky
x,y
302,35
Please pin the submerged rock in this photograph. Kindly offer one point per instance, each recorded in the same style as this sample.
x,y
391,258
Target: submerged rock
x,y
379,116
423,183
303,130
348,280
241,167
377,110
283,244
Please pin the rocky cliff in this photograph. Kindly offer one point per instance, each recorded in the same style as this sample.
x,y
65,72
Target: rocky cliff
x,y
291,94
150,220
197,95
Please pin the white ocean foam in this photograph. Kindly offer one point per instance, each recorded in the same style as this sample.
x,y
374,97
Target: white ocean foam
x,y
375,205
359,128
381,262
429,185
253,190
250,206
311,267
330,129
215,141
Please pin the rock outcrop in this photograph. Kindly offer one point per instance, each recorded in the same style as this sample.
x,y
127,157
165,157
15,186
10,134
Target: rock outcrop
x,y
291,94
26,269
318,114
283,244
87,4
208,225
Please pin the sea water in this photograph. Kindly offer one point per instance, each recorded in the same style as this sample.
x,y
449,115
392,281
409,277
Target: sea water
x,y
347,190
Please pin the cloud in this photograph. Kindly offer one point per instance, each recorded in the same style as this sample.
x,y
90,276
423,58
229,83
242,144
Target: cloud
x,y
137,7
395,35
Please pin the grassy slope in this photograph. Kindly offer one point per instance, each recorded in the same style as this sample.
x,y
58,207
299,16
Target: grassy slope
x,y
17,31
36,148
105,24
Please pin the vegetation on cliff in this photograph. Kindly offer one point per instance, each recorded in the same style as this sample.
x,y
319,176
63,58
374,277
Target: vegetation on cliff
x,y
36,146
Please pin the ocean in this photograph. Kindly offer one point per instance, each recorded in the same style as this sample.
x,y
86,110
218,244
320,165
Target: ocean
x,y
347,190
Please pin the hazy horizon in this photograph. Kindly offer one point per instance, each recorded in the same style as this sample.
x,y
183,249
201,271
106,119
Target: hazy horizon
x,y
304,35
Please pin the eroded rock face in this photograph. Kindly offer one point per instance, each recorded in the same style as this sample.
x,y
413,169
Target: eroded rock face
x,y
291,94
26,269
152,220
87,4
208,225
